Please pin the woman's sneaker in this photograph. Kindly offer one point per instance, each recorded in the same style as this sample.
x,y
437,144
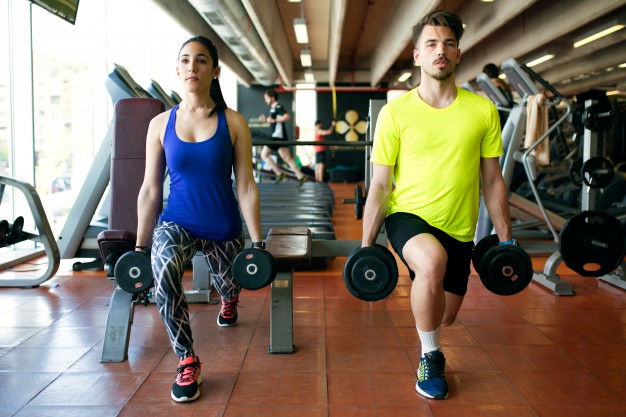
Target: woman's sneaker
x,y
187,384
228,313
431,376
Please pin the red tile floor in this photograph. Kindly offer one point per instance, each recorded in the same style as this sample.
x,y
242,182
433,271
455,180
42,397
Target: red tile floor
x,y
532,354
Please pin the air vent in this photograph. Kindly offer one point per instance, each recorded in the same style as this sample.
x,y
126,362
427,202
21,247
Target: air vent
x,y
214,18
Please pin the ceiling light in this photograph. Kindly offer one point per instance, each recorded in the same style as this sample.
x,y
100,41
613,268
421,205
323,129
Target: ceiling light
x,y
299,25
607,29
622,65
405,76
305,58
613,92
309,76
540,60
294,1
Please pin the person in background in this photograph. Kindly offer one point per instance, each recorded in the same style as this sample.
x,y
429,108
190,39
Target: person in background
x,y
493,72
320,150
435,148
201,142
277,118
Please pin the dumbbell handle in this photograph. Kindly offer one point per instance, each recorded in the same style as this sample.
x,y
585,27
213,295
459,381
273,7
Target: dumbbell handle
x,y
348,201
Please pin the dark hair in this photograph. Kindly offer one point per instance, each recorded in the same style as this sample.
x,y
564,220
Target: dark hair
x,y
439,18
272,93
491,70
317,122
216,90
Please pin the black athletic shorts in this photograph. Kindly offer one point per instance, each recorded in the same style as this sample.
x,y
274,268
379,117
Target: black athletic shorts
x,y
320,157
401,227
277,147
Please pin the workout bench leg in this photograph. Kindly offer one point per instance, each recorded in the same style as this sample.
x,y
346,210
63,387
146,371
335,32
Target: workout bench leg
x,y
281,314
117,334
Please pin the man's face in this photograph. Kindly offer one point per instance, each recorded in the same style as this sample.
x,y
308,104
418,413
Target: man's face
x,y
268,99
437,52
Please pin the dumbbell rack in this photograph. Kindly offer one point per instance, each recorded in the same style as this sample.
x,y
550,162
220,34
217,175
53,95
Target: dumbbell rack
x,y
549,276
45,237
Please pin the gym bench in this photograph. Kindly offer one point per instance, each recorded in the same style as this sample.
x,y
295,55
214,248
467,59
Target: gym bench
x,y
291,249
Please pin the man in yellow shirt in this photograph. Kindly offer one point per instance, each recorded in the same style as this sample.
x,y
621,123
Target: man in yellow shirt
x,y
434,148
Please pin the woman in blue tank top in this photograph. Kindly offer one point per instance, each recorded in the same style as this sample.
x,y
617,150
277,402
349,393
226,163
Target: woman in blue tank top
x,y
201,143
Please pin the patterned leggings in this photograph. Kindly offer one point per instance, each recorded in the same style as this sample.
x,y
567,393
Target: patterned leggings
x,y
173,248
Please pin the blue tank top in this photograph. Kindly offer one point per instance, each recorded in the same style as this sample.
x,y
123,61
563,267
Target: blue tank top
x,y
201,196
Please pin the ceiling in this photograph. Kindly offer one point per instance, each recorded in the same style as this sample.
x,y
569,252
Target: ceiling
x,y
367,43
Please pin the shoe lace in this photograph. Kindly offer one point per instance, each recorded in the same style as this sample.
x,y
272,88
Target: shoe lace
x,y
229,309
432,369
187,372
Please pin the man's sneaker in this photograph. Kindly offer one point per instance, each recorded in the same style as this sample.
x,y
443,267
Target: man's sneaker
x,y
431,376
187,384
228,313
279,178
301,181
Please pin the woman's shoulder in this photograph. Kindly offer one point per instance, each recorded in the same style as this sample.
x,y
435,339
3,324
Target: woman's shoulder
x,y
233,116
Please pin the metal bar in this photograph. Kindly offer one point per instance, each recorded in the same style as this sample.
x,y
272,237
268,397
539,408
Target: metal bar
x,y
117,332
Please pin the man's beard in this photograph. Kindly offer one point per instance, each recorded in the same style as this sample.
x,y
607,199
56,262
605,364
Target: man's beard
x,y
441,75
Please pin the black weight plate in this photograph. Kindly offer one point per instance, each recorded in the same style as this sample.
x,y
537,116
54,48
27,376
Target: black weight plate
x,y
592,243
597,172
575,173
4,229
359,202
481,248
133,272
371,273
254,269
17,227
506,270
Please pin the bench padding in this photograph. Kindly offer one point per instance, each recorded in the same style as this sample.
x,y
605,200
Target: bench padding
x,y
290,247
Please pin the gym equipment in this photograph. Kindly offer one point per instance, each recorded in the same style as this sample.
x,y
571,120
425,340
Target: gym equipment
x,y
575,174
358,201
133,272
597,172
16,234
370,273
597,117
593,243
4,231
254,269
503,269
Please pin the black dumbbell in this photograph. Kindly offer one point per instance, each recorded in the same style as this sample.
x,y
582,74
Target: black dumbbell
x,y
598,117
503,269
254,268
371,273
4,232
358,201
10,233
133,272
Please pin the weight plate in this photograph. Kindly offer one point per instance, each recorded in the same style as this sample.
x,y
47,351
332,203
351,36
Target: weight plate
x,y
4,229
359,202
133,272
254,269
371,273
481,248
592,243
506,270
597,172
17,227
575,173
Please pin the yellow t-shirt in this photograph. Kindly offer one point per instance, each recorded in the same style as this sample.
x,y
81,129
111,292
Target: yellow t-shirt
x,y
436,157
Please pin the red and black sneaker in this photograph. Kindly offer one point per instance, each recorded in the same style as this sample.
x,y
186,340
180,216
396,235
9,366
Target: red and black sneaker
x,y
228,313
187,384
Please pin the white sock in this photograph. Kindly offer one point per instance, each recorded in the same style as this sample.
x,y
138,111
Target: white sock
x,y
429,340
